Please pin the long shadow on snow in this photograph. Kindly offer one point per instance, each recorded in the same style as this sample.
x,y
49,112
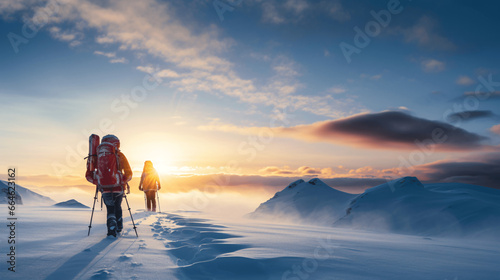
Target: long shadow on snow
x,y
72,267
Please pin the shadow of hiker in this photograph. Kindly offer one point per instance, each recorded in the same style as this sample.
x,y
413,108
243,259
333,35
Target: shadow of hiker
x,y
72,267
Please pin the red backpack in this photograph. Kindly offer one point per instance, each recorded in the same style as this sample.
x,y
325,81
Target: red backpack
x,y
103,165
108,173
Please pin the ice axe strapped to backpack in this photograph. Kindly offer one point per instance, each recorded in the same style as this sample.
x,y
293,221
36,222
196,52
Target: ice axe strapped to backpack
x,y
94,142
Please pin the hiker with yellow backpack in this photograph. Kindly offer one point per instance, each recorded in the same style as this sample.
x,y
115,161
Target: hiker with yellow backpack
x,y
150,184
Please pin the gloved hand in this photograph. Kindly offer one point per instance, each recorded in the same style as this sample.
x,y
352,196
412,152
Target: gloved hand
x,y
128,189
140,188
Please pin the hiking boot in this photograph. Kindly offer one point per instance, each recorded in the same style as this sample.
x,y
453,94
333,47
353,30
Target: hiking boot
x,y
112,228
112,232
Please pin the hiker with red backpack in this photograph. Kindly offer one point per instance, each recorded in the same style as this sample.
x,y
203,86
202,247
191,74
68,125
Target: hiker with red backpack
x,y
150,184
109,170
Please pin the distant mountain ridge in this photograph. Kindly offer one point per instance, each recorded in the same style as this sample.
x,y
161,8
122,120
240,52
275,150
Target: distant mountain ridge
x,y
5,196
26,196
404,205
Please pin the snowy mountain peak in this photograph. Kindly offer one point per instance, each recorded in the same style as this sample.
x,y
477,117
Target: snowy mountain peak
x,y
305,201
71,204
294,184
315,181
405,183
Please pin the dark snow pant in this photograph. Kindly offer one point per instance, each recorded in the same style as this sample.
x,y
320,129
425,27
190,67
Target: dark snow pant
x,y
113,203
151,200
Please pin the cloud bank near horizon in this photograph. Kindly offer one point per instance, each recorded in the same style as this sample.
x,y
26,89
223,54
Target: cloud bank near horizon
x,y
481,170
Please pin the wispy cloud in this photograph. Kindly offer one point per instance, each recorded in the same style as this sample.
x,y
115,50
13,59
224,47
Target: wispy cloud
x,y
7,7
432,65
293,11
371,77
336,10
72,37
465,81
112,56
271,14
470,115
297,6
336,90
106,54
425,34
118,60
195,59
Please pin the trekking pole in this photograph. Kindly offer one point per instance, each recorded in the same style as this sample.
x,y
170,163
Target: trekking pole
x,y
101,201
131,218
92,215
158,199
145,203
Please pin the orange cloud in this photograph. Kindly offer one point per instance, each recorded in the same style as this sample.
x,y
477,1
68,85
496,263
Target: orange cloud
x,y
495,129
333,172
301,171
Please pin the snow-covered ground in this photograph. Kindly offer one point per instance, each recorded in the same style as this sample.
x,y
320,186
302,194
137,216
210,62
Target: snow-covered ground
x,y
52,243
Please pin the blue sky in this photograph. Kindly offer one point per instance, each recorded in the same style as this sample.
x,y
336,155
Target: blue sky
x,y
222,80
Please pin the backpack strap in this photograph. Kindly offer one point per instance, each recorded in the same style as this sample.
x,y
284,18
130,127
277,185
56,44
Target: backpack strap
x,y
119,168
